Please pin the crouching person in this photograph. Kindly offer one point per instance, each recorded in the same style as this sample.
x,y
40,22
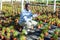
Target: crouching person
x,y
26,18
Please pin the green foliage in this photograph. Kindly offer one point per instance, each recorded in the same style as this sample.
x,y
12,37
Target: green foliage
x,y
57,30
24,31
8,30
42,35
55,36
15,33
44,16
22,37
11,27
40,22
0,25
3,31
40,17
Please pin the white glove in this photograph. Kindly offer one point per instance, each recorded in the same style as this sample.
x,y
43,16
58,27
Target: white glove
x,y
34,22
35,15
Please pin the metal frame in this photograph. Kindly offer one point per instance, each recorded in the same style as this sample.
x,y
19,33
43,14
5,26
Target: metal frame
x,y
54,5
0,4
22,4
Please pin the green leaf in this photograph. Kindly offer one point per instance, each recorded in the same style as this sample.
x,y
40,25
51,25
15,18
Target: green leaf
x,y
15,33
42,35
11,27
22,37
40,22
23,31
0,25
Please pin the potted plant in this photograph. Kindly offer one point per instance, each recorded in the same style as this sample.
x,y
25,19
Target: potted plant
x,y
56,31
15,33
39,17
49,27
45,31
15,39
46,34
53,21
59,34
0,21
8,29
0,27
41,36
58,22
22,35
55,35
40,24
8,36
49,16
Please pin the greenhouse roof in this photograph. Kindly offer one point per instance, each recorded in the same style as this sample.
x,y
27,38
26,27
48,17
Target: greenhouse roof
x,y
32,0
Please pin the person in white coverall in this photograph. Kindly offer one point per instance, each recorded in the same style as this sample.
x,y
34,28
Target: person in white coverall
x,y
26,17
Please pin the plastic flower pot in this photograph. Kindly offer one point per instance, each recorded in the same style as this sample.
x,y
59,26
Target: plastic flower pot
x,y
51,38
3,38
58,25
45,20
49,27
14,38
46,34
52,23
12,30
39,26
56,31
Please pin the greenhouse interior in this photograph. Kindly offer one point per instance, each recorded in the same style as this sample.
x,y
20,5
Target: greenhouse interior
x,y
29,19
